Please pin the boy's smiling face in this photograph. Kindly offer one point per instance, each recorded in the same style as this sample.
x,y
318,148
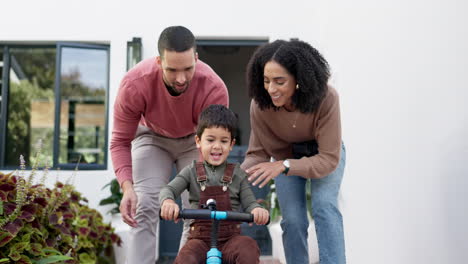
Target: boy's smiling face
x,y
215,144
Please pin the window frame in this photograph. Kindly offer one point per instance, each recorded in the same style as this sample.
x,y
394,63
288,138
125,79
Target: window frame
x,y
56,144
4,107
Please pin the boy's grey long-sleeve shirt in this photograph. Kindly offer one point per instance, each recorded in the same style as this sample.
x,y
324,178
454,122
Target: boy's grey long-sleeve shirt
x,y
239,190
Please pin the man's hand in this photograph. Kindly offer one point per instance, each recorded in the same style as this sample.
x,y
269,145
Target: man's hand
x,y
170,210
261,215
263,172
128,204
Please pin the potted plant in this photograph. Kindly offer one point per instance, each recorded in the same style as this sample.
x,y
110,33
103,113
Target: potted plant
x,y
121,228
114,198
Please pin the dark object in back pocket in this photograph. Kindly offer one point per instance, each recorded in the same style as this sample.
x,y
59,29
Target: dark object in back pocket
x,y
304,149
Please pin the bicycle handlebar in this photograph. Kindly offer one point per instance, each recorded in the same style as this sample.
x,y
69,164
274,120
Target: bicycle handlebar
x,y
218,215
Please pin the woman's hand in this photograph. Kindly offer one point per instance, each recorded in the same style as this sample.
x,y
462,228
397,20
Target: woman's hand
x,y
263,172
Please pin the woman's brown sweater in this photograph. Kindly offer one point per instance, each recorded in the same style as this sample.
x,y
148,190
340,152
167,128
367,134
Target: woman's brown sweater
x,y
273,132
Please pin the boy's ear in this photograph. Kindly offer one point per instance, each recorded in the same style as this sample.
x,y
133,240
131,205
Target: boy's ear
x,y
233,141
197,141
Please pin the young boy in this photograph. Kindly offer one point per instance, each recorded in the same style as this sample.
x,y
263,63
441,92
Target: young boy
x,y
215,178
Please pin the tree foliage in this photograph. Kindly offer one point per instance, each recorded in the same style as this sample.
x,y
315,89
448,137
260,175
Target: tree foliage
x,y
18,136
38,64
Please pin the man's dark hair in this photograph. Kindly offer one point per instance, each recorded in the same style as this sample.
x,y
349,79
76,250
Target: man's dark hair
x,y
302,61
217,116
176,38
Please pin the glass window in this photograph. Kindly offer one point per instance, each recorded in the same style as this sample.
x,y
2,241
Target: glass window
x,y
1,81
30,111
56,94
83,86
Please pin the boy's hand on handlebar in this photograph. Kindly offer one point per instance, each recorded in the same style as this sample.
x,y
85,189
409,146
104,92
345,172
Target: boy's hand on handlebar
x,y
170,210
261,215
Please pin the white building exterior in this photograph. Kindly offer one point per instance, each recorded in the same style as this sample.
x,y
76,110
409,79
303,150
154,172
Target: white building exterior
x,y
401,70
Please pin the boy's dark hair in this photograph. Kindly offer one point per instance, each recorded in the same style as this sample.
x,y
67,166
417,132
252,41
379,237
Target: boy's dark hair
x,y
176,38
217,116
302,61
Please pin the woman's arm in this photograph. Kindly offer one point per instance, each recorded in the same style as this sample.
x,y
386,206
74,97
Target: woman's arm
x,y
255,153
328,137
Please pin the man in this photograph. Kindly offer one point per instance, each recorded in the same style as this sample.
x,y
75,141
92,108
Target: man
x,y
155,115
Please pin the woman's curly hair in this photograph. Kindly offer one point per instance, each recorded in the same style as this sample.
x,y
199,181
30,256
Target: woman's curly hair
x,y
302,61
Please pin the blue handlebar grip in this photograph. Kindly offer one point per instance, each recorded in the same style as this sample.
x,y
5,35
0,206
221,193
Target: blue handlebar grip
x,y
219,215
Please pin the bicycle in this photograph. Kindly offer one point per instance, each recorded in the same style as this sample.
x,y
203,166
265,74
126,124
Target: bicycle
x,y
214,255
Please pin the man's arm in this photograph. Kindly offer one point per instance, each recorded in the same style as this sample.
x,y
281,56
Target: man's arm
x,y
127,115
128,204
128,108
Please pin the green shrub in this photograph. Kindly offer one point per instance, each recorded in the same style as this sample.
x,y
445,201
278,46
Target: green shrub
x,y
43,225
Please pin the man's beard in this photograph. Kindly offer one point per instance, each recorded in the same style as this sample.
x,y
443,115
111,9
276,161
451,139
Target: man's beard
x,y
174,92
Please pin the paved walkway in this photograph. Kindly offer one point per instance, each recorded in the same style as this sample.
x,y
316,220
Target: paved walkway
x,y
269,260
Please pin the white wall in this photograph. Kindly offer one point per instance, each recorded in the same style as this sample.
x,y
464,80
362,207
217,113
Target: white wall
x,y
399,66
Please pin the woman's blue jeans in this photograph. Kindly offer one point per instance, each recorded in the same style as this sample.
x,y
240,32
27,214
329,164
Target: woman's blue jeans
x,y
328,220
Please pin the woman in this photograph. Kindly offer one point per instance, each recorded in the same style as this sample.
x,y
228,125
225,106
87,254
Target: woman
x,y
295,137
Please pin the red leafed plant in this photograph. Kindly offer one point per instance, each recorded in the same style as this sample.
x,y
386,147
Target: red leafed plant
x,y
42,225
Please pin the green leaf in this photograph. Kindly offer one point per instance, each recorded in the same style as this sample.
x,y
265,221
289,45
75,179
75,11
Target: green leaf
x,y
114,211
4,260
109,200
84,242
115,187
24,260
5,237
26,238
52,259
81,223
51,250
67,239
274,214
85,258
35,249
1,207
103,187
19,247
14,255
